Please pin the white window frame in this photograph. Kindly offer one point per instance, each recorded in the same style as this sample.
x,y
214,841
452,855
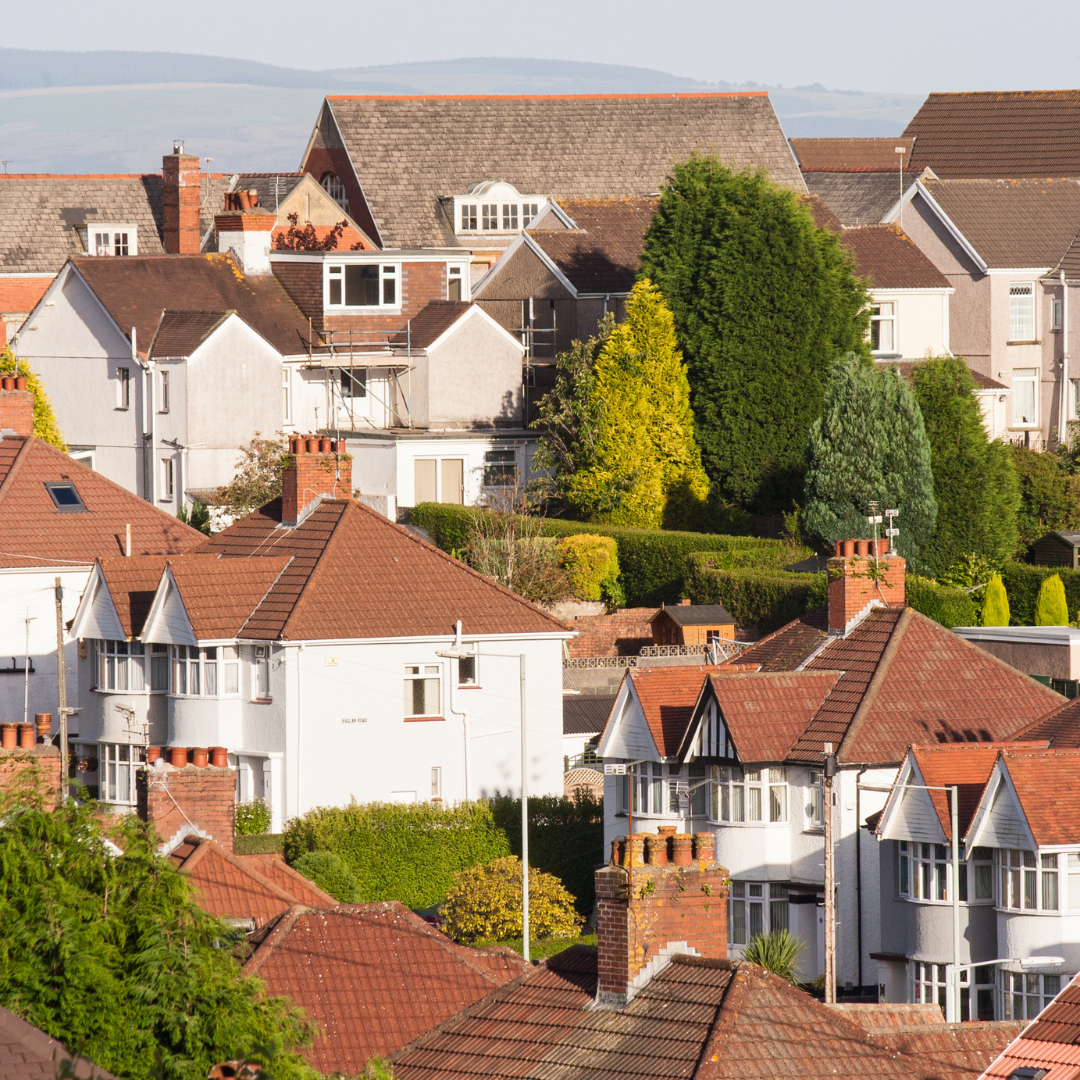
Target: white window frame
x,y
260,673
436,783
454,276
121,667
928,986
468,216
1050,878
919,865
286,394
815,801
207,671
1056,312
876,317
757,907
332,184
495,472
1024,994
751,795
424,673
1025,376
111,240
467,681
168,478
164,389
118,766
389,278
123,387
1021,320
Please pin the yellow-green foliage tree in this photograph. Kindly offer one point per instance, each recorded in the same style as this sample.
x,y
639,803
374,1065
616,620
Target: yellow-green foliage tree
x,y
592,563
1050,606
484,904
45,425
646,469
995,610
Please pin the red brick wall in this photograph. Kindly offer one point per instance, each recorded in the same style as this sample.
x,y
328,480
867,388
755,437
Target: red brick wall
x,y
620,634
14,764
180,204
669,904
323,159
17,411
181,801
851,587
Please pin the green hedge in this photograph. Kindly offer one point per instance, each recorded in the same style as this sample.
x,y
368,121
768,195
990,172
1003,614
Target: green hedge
x,y
767,598
566,838
1022,583
398,851
652,561
942,603
259,844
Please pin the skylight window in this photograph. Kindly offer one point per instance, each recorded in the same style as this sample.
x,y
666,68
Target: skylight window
x,y
66,499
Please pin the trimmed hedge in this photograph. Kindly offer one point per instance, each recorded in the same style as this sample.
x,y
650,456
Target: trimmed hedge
x,y
400,851
652,561
330,873
942,603
566,838
259,844
1022,583
767,598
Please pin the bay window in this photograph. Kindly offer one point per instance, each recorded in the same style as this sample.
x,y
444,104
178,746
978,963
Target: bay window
x,y
120,666
649,788
209,671
756,907
118,764
752,795
1026,994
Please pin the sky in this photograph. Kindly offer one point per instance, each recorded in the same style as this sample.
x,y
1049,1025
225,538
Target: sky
x,y
845,44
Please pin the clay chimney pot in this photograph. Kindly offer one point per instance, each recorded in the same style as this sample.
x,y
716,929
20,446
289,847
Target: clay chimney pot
x,y
199,757
178,756
849,548
9,736
682,849
26,736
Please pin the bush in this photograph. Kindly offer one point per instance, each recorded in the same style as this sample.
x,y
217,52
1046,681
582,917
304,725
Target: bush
x,y
1049,496
942,603
330,873
485,902
261,844
398,851
252,818
765,598
592,562
448,525
1023,582
995,610
1050,606
566,838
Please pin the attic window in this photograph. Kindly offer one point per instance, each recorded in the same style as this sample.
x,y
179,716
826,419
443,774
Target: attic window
x,y
109,239
66,499
333,187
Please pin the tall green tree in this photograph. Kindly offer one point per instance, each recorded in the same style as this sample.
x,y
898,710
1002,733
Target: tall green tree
x,y
1051,608
975,484
764,303
108,954
646,466
45,426
1049,494
257,479
868,445
995,610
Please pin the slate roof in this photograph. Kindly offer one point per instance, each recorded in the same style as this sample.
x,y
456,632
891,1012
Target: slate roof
x,y
715,1019
374,976
39,215
851,155
34,533
1051,1042
858,198
1013,223
343,572
180,333
135,292
886,258
667,696
27,1053
255,887
1015,133
586,714
408,152
697,614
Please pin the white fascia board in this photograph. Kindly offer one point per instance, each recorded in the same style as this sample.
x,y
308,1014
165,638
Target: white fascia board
x,y
525,240
953,229
166,587
892,803
999,778
206,341
560,213
1019,635
20,277
46,567
493,270
1033,271
706,694
909,774
474,312
885,290
893,213
543,257
434,642
615,716
95,588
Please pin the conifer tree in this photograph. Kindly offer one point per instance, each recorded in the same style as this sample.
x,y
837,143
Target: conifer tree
x,y
995,610
764,304
646,469
975,484
45,426
1050,606
868,445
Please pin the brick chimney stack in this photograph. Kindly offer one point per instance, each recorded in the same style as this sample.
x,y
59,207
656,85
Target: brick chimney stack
x,y
858,582
245,230
676,903
16,406
179,799
180,202
316,467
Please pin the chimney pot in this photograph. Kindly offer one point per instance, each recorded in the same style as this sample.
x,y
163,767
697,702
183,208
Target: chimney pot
x,y
325,446
656,850
178,756
849,548
153,753
861,547
839,549
20,382
26,736
312,446
199,757
682,849
685,603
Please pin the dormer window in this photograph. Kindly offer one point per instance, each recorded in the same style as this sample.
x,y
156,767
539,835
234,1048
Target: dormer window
x,y
116,240
468,217
332,185
495,207
361,285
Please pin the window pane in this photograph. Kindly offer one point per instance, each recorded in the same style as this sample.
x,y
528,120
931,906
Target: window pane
x,y
1030,898
738,922
389,291
335,291
232,678
361,286
756,911
466,670
1049,890
984,881
738,807
210,677
414,697
778,915
755,803
159,673
778,803
1074,891
904,874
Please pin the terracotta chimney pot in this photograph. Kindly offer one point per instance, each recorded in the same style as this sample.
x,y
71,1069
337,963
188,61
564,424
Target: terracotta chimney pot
x,y
43,724
199,757
682,849
9,736
849,548
153,753
219,757
705,847
26,736
178,756
656,850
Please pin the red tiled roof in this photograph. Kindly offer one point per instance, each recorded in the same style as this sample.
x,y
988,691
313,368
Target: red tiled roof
x,y
852,155
668,696
715,1019
785,649
768,711
27,1053
1060,728
243,886
1047,783
219,594
374,976
34,533
1052,1042
966,765
887,259
998,133
132,583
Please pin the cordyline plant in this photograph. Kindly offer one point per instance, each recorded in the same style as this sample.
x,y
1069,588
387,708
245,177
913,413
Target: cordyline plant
x,y
777,952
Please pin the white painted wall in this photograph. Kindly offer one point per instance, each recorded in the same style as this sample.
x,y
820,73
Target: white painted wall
x,y
922,320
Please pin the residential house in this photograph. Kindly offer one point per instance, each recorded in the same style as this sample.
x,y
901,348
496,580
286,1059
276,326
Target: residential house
x,y
56,518
48,219
1007,248
374,977
1019,876
27,1053
472,172
738,750
305,640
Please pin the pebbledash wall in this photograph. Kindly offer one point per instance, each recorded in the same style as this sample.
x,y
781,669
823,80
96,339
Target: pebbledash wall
x,y
334,729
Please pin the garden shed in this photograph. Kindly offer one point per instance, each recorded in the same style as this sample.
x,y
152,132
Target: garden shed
x,y
692,624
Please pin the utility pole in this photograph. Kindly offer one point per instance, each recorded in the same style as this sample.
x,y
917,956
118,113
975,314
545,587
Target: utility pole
x,y
524,822
61,686
830,878
954,838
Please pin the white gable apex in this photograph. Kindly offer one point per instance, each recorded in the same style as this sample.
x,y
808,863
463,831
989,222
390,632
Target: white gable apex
x,y
168,622
627,734
999,821
909,813
96,616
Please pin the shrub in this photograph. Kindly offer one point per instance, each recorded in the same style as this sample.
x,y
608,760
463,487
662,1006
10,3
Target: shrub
x,y
252,818
448,525
260,844
1050,606
1023,583
592,563
942,603
330,873
778,952
995,610
397,851
46,427
485,902
566,838
1049,496
765,598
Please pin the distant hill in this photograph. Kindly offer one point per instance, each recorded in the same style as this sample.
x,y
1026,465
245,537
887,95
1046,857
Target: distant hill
x,y
119,111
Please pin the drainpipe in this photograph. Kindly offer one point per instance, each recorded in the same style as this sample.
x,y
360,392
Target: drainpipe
x,y
151,427
460,712
299,716
1064,437
858,866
